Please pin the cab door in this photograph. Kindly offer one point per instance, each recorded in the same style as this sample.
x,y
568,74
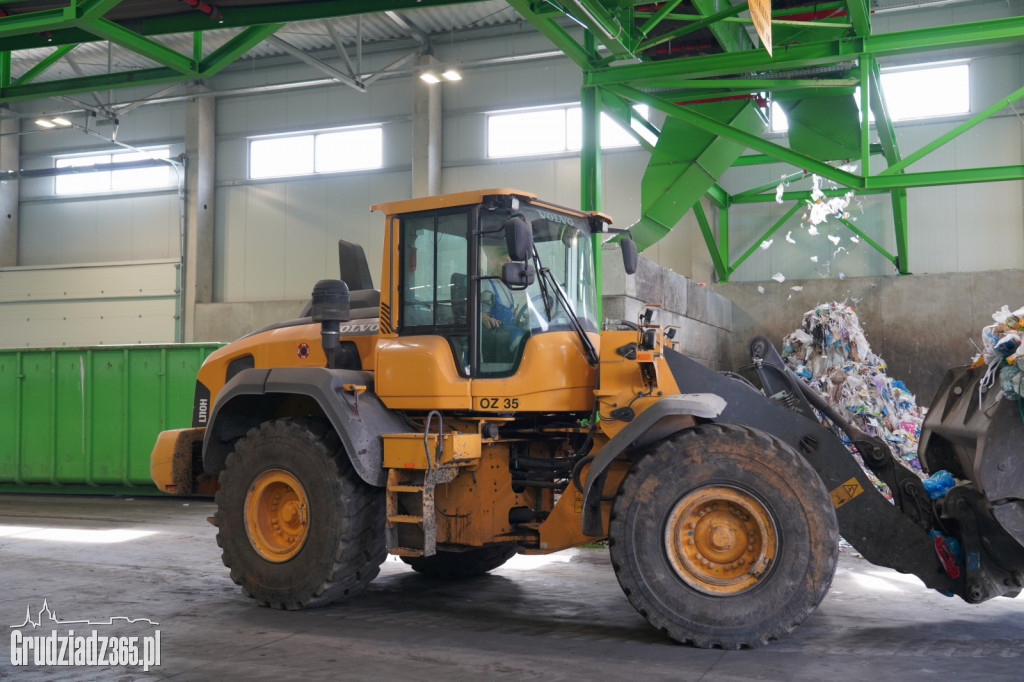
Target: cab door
x,y
426,365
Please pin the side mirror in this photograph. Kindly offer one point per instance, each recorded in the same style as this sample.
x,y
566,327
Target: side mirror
x,y
630,257
517,274
518,238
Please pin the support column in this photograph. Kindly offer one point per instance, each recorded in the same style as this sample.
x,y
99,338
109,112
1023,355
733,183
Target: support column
x,y
197,260
426,134
10,159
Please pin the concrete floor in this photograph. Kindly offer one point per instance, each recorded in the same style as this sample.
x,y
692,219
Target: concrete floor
x,y
561,617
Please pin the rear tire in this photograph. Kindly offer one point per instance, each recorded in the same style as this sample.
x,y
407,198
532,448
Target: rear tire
x,y
297,525
457,565
723,536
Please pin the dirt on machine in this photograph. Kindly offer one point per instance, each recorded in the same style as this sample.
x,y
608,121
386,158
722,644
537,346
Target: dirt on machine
x,y
473,408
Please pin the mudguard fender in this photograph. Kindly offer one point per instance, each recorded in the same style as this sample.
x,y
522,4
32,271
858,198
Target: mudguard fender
x,y
359,419
657,422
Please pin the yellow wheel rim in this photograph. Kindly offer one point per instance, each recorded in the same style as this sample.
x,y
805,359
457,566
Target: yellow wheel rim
x,y
720,540
276,515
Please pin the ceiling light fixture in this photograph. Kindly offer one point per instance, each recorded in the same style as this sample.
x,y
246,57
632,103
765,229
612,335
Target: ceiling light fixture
x,y
452,75
43,123
429,77
61,121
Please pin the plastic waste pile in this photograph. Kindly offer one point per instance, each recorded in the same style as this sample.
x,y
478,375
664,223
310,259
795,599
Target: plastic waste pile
x,y
831,353
1002,352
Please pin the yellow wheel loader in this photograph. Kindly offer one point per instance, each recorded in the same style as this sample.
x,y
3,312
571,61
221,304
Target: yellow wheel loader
x,y
473,409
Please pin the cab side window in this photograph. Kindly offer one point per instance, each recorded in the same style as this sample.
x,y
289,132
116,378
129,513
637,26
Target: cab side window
x,y
434,278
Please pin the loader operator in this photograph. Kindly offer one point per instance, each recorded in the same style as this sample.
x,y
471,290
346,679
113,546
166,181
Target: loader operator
x,y
499,306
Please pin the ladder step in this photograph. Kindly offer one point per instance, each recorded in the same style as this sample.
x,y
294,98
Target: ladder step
x,y
404,518
406,488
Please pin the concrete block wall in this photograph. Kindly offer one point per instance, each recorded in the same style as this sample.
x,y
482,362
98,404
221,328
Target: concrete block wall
x,y
921,325
703,316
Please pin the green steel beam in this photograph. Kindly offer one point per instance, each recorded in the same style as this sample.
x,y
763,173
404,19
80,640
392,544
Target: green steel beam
x,y
44,64
763,159
813,25
217,60
624,114
147,47
709,239
730,11
197,46
771,230
955,132
89,84
718,196
866,91
5,69
799,175
53,27
860,15
36,22
613,34
870,242
553,32
899,214
235,48
800,195
657,17
731,37
963,176
664,73
723,239
94,9
762,85
590,153
281,12
747,139
883,123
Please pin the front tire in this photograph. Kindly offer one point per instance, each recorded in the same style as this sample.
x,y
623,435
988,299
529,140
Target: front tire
x,y
297,526
723,536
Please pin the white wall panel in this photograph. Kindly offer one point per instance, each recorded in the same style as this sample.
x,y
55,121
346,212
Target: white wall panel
x,y
125,303
126,227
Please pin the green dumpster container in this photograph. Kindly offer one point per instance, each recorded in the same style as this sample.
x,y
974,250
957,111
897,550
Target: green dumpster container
x,y
84,420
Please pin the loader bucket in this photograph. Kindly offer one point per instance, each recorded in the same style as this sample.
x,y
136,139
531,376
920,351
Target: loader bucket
x,y
979,437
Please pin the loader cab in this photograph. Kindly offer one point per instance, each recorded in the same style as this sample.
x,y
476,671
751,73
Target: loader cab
x,y
470,301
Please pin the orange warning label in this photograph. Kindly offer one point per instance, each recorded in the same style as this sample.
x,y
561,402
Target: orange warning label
x,y
577,502
845,492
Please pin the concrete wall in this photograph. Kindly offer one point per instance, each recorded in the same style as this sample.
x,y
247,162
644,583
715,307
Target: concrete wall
x,y
704,317
920,325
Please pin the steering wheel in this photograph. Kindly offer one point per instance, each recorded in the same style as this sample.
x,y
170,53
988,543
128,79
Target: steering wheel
x,y
524,319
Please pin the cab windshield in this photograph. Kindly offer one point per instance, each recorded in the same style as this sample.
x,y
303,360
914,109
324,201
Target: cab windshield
x,y
510,315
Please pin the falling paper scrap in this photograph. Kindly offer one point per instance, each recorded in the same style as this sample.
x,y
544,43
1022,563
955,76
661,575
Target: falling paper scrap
x,y
789,237
1002,352
812,230
814,259
797,288
834,239
767,243
779,277
831,353
855,239
760,289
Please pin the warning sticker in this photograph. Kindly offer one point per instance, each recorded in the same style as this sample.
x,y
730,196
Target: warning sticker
x,y
845,492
